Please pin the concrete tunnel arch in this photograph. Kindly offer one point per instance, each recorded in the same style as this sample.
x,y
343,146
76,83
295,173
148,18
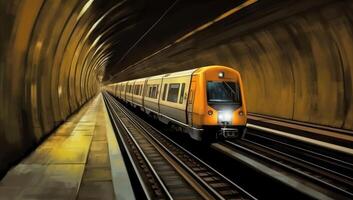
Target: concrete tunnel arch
x,y
296,65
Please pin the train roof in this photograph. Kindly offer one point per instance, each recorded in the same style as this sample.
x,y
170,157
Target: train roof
x,y
179,73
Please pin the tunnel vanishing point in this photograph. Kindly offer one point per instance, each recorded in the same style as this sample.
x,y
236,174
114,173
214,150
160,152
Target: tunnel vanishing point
x,y
295,57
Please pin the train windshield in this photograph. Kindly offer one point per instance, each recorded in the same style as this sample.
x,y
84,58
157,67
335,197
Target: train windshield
x,y
223,92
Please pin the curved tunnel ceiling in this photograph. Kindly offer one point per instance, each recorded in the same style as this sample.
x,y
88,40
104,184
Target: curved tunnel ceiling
x,y
135,29
54,55
296,55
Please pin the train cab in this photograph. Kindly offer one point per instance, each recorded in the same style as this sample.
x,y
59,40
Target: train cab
x,y
218,108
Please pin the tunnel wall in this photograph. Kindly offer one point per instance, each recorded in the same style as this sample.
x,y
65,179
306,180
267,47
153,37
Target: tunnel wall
x,y
296,64
48,70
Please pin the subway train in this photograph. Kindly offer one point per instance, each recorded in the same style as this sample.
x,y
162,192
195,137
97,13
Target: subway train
x,y
207,102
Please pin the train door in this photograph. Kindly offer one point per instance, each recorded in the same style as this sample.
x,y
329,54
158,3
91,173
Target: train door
x,y
190,103
144,88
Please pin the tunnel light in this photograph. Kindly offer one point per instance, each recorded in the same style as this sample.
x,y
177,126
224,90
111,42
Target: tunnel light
x,y
84,9
221,74
60,90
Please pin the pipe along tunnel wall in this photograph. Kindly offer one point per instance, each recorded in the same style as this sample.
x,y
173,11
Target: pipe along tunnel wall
x,y
48,70
296,63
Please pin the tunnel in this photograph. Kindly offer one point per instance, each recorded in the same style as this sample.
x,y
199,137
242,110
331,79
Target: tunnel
x,y
295,57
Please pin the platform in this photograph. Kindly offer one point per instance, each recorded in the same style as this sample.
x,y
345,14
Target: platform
x,y
73,163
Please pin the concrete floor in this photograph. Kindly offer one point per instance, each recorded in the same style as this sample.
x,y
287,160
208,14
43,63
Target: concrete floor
x,y
73,163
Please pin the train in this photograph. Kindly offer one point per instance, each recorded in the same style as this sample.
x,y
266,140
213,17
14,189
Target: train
x,y
207,102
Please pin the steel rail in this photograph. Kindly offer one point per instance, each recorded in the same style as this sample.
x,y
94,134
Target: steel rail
x,y
143,155
133,117
330,160
288,167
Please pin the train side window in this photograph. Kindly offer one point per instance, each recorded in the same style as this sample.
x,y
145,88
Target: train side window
x,y
173,92
137,89
181,98
164,91
150,91
156,93
153,91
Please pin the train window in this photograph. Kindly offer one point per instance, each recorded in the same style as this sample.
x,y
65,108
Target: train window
x,y
155,91
164,91
223,92
181,98
149,91
137,90
152,91
173,92
141,91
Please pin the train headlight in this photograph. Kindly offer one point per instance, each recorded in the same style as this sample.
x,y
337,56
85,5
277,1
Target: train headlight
x,y
210,112
221,74
225,116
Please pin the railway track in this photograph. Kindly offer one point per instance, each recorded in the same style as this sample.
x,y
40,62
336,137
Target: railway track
x,y
331,175
164,169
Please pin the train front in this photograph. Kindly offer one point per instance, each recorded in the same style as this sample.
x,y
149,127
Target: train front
x,y
226,114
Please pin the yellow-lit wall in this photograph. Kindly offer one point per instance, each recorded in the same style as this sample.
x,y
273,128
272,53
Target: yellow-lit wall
x,y
47,70
296,66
